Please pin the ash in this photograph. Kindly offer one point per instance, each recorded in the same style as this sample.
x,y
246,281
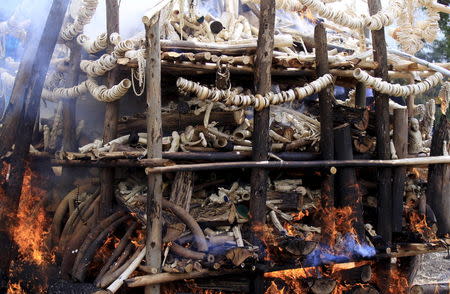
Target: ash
x,y
434,268
66,287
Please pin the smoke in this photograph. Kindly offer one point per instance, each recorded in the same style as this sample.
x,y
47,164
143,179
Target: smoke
x,y
130,18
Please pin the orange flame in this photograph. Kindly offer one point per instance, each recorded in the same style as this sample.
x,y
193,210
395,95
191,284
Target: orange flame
x,y
29,232
418,223
15,289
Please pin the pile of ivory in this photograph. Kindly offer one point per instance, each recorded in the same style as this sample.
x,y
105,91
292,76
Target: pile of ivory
x,y
85,14
258,101
396,89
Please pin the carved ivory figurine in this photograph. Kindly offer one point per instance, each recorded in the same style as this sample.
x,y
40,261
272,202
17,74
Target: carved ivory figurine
x,y
415,143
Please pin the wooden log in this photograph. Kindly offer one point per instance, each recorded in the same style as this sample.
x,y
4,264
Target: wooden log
x,y
360,99
261,118
441,288
162,278
175,121
323,286
111,114
361,274
69,136
182,189
154,149
438,184
261,139
349,192
22,113
400,139
326,131
384,224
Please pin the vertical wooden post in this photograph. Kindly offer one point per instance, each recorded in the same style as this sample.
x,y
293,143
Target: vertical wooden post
x,y
360,99
263,82
27,91
326,130
384,213
261,141
154,149
111,115
348,189
398,186
438,192
410,101
384,227
69,139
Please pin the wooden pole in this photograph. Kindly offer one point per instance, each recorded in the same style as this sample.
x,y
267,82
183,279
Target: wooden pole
x,y
70,143
326,130
360,100
154,150
27,91
410,100
384,227
418,161
349,192
398,186
263,83
438,192
111,115
69,139
384,209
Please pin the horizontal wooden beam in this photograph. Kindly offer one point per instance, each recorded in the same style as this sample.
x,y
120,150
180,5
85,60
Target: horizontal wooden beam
x,y
303,164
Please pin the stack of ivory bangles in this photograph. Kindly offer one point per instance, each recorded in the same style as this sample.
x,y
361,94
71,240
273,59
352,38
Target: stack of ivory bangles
x,y
395,89
258,101
100,66
85,13
103,94
58,93
374,22
100,43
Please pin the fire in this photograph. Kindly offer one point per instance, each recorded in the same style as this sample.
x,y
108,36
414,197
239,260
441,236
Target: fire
x,y
29,232
266,235
15,289
296,273
292,278
418,224
398,283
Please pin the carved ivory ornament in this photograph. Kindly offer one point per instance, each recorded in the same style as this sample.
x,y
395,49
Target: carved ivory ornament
x,y
415,143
